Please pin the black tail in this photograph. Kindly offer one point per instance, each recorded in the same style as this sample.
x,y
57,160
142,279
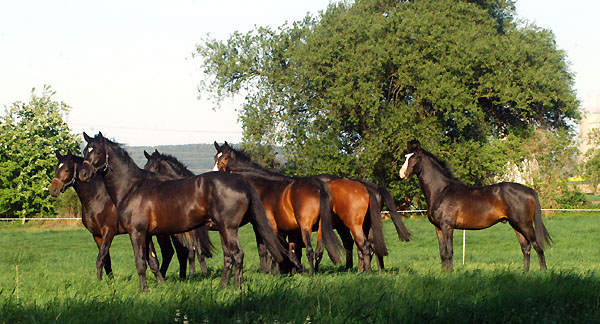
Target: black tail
x,y
262,224
203,241
330,240
388,201
379,246
541,233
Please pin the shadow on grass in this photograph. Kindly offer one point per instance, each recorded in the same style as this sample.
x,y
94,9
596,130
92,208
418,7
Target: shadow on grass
x,y
469,297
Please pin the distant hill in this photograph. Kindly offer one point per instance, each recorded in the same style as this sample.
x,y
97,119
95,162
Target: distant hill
x,y
199,158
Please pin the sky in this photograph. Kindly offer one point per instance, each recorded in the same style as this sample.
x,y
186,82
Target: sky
x,y
126,67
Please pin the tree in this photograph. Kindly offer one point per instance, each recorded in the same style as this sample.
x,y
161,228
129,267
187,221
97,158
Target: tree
x,y
344,92
30,134
591,162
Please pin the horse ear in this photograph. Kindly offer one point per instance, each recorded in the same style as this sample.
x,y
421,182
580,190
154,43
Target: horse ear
x,y
156,151
226,146
146,155
58,156
69,154
217,147
100,136
86,137
414,146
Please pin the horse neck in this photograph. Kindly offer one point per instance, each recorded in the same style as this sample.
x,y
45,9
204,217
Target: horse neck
x,y
432,180
88,192
121,175
175,171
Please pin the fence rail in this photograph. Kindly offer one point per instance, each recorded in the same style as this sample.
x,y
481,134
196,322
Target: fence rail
x,y
383,212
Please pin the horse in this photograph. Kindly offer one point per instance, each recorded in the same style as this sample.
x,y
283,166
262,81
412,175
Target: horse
x,y
452,204
295,206
99,215
356,212
149,204
381,197
169,165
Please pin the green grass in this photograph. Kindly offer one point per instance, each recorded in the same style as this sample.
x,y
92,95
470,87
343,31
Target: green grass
x,y
57,282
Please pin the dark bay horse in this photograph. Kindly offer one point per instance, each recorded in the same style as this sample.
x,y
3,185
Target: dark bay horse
x,y
99,214
382,197
169,165
201,244
452,204
149,204
295,206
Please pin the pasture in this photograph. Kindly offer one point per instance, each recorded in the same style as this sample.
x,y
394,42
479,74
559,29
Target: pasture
x,y
57,282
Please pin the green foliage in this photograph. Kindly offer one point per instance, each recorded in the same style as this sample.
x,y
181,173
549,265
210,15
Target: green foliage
x,y
57,282
30,134
345,91
591,164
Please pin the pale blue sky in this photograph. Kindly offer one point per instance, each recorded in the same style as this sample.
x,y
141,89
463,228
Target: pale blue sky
x,y
126,68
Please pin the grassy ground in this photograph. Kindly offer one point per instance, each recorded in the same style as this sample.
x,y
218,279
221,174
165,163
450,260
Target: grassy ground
x,y
56,282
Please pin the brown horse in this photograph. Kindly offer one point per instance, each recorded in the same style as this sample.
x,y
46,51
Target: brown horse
x,y
452,204
150,204
380,196
99,214
356,212
295,206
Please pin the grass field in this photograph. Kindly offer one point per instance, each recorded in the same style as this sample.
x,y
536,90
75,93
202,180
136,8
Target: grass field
x,y
56,282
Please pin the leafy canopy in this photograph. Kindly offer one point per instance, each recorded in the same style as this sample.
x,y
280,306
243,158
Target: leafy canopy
x,y
345,91
30,134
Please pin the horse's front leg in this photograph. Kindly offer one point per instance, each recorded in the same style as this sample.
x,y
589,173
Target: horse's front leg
x,y
445,240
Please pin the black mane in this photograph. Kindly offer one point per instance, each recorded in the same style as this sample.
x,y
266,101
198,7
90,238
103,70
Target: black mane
x,y
125,157
249,167
176,163
441,165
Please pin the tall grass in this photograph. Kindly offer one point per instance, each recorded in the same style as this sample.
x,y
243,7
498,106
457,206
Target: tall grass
x,y
57,282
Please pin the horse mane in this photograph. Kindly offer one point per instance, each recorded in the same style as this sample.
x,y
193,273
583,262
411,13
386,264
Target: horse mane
x,y
119,150
441,165
252,168
177,164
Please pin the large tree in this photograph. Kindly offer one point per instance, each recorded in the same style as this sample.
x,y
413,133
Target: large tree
x,y
30,134
343,92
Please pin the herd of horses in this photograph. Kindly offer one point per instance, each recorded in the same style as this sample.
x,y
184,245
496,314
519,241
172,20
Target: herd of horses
x,y
168,201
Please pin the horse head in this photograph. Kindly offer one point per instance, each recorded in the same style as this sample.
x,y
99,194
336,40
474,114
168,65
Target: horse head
x,y
65,174
95,156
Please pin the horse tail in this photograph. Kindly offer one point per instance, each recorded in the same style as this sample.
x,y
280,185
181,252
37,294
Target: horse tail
x,y
388,201
262,225
330,240
379,246
541,233
203,241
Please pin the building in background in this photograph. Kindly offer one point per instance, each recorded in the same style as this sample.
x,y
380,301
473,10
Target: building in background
x,y
589,121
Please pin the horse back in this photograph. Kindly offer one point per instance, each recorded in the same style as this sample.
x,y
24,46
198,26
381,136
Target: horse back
x,y
481,207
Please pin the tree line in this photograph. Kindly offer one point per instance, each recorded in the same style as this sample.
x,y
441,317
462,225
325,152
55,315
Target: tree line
x,y
343,91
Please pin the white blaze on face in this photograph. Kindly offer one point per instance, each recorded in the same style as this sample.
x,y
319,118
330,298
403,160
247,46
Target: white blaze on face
x,y
405,166
216,167
60,165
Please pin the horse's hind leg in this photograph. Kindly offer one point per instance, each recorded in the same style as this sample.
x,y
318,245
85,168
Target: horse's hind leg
x,y
310,253
348,243
233,256
183,254
362,247
166,249
153,260
525,248
529,233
